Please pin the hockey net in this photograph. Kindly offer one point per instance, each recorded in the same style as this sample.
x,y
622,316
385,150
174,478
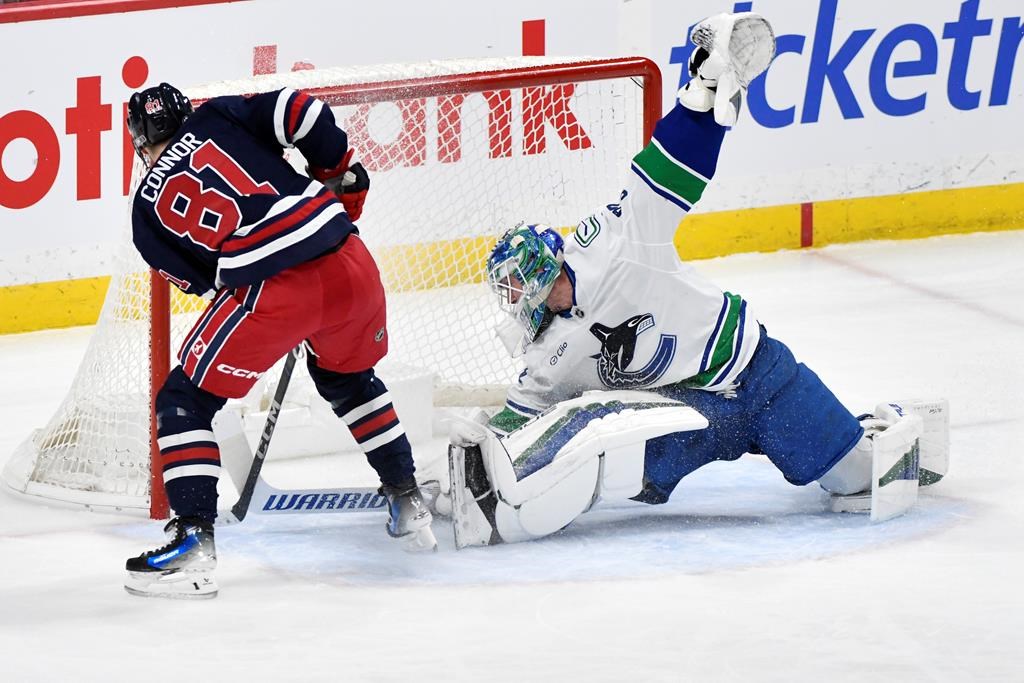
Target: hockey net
x,y
457,151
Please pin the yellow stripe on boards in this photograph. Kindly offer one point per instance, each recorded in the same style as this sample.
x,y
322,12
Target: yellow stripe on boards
x,y
46,305
706,235
24,308
920,214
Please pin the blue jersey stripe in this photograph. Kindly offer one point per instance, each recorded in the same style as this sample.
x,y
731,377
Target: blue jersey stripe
x,y
521,409
739,344
226,330
210,311
705,361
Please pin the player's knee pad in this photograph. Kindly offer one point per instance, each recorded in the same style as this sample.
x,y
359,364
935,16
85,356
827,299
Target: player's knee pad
x,y
182,406
556,467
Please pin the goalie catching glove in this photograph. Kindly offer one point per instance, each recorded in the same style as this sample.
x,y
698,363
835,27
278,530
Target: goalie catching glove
x,y
349,180
730,51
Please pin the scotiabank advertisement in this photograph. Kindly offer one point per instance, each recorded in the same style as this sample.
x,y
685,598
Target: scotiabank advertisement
x,y
866,98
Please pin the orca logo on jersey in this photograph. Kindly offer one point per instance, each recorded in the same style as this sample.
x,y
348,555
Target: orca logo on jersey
x,y
154,180
238,372
618,344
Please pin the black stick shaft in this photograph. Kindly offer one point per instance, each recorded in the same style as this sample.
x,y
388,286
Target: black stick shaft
x,y
241,508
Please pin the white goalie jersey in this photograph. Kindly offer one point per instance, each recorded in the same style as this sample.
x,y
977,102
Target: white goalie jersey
x,y
641,318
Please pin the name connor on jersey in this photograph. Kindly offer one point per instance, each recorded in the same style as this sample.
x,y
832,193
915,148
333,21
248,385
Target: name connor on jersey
x,y
154,180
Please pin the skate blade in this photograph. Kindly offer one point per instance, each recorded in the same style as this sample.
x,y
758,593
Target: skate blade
x,y
176,585
856,503
419,541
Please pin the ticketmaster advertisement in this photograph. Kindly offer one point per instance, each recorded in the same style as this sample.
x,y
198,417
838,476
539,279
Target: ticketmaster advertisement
x,y
866,99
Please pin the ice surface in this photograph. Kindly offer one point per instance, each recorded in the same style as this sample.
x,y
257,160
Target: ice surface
x,y
739,577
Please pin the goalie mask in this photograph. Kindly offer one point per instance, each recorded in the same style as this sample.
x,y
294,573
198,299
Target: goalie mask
x,y
521,270
155,115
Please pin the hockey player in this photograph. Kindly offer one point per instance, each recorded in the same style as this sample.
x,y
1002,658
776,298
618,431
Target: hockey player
x,y
221,214
612,308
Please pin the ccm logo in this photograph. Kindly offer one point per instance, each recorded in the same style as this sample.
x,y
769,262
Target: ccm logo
x,y
238,372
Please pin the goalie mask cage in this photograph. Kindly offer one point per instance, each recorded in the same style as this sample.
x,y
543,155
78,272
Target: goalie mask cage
x,y
457,151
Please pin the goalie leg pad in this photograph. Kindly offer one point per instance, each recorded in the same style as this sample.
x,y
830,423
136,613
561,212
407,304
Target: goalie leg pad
x,y
934,414
555,468
563,501
472,500
888,454
895,468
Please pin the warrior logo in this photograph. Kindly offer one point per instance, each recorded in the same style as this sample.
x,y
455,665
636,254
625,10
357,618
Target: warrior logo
x,y
617,347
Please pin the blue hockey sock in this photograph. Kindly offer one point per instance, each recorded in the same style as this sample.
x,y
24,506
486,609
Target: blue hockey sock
x,y
363,403
189,455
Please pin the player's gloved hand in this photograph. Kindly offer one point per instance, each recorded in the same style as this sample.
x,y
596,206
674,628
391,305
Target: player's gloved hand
x,y
349,180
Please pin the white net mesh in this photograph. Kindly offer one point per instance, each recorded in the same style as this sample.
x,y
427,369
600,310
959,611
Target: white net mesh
x,y
452,166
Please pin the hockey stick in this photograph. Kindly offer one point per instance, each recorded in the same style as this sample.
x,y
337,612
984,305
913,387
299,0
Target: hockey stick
x,y
241,508
273,501
268,500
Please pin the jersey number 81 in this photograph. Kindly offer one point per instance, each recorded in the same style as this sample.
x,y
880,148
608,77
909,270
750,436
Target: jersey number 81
x,y
206,216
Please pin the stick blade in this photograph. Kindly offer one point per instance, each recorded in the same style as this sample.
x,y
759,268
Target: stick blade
x,y
229,517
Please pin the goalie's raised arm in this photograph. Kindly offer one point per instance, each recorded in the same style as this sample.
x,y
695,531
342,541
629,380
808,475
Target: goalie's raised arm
x,y
672,171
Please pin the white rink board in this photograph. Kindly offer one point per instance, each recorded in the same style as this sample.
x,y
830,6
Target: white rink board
x,y
836,142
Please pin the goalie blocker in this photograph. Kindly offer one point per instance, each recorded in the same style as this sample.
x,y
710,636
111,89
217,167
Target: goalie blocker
x,y
558,466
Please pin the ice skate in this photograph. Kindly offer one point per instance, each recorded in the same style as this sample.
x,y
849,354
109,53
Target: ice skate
x,y
860,501
408,517
183,568
731,50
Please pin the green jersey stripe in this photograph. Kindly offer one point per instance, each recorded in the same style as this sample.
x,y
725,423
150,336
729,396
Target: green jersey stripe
x,y
677,162
669,173
725,346
507,421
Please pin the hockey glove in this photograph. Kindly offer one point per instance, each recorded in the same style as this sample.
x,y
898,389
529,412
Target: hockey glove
x,y
349,181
